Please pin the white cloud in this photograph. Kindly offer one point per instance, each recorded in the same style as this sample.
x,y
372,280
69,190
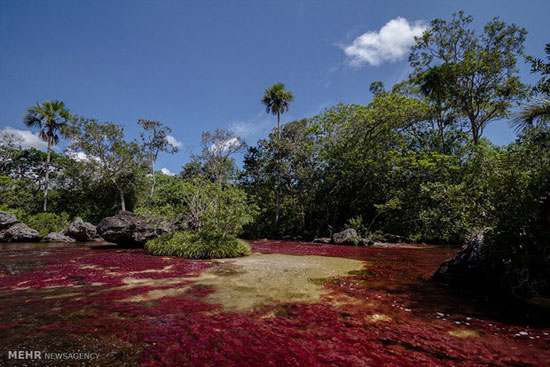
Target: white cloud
x,y
78,156
391,43
81,156
225,145
25,138
173,141
166,171
255,128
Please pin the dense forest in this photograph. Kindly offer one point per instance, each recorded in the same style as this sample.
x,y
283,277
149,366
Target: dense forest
x,y
412,162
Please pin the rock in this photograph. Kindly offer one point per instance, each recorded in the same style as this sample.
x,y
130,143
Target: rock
x,y
394,238
19,232
80,230
365,242
7,219
57,237
467,265
346,237
128,229
325,240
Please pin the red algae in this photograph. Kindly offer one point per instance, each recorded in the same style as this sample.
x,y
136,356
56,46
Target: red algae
x,y
385,315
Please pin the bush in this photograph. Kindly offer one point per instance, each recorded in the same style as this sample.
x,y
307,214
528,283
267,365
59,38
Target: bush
x,y
45,223
197,245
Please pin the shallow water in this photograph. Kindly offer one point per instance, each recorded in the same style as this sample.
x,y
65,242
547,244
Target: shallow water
x,y
297,304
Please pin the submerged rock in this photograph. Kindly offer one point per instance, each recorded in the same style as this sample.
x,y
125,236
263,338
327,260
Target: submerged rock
x,y
57,237
394,238
19,232
128,229
346,237
325,240
80,230
365,242
7,219
467,265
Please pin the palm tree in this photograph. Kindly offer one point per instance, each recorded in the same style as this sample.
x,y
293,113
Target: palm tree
x,y
51,118
537,111
277,101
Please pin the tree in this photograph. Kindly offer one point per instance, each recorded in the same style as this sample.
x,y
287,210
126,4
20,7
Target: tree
x,y
51,118
10,145
215,162
155,140
103,144
217,149
475,75
538,109
277,101
539,66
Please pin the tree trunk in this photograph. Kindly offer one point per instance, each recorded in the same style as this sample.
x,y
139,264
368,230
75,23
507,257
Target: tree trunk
x,y
475,131
154,181
47,180
279,124
277,202
277,193
122,201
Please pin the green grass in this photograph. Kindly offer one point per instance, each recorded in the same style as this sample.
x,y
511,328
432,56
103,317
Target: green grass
x,y
193,245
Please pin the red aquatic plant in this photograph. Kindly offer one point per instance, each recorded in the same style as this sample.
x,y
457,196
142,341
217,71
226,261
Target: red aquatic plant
x,y
385,315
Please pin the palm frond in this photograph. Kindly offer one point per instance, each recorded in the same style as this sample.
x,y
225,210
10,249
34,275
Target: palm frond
x,y
537,110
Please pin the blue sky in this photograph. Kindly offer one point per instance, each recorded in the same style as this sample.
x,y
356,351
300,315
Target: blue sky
x,y
201,65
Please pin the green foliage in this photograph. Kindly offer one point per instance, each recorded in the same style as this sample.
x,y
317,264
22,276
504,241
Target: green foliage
x,y
541,67
357,224
154,139
51,118
520,242
116,160
197,245
19,194
474,76
276,99
221,210
45,223
215,162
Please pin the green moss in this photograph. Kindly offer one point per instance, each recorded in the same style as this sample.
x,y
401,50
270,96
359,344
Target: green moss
x,y
196,245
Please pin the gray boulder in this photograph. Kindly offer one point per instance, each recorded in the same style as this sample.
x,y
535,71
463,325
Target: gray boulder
x,y
19,232
80,230
128,229
346,237
324,240
468,264
57,237
7,220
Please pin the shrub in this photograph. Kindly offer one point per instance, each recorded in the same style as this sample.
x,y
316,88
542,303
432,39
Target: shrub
x,y
197,245
45,223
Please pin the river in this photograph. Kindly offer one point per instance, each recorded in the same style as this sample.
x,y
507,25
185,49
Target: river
x,y
289,304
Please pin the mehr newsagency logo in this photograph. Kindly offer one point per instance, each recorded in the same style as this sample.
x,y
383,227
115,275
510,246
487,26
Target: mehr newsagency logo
x,y
35,354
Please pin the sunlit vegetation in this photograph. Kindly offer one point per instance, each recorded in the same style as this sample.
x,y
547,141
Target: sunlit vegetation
x,y
413,162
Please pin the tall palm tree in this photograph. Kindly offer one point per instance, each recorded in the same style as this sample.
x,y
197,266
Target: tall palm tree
x,y
51,118
277,101
536,111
